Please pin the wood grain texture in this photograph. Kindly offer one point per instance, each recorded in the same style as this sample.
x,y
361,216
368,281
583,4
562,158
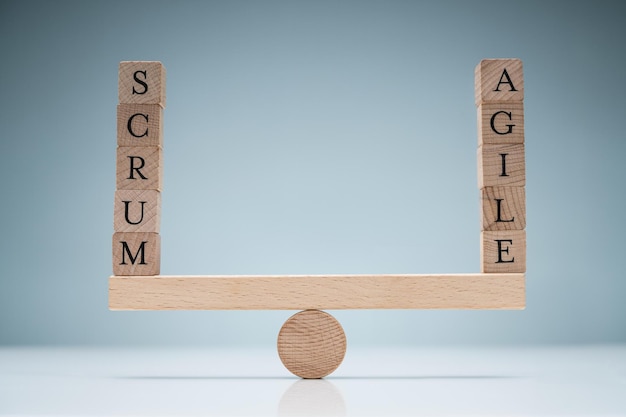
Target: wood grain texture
x,y
500,123
503,208
311,344
141,82
136,254
501,165
137,211
139,125
492,84
139,168
503,251
322,292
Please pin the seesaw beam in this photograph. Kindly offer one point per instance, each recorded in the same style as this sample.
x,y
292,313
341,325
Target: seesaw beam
x,y
322,292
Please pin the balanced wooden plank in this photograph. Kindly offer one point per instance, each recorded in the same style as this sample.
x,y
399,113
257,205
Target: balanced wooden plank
x,y
323,292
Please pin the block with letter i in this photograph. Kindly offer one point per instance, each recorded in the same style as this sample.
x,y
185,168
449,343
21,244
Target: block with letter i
x,y
499,85
139,169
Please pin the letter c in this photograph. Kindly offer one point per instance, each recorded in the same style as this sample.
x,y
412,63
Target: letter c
x,y
145,116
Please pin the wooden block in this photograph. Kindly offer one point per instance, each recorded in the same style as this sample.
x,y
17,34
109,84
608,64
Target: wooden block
x,y
499,80
311,344
322,292
142,82
501,165
501,123
136,254
504,208
139,125
139,168
137,211
503,251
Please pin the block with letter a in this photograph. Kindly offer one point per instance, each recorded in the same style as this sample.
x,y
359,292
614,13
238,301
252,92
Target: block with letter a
x,y
499,80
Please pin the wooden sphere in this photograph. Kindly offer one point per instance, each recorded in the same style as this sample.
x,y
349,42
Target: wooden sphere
x,y
311,344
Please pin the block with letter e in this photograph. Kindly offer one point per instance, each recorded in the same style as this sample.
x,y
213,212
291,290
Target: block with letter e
x,y
503,251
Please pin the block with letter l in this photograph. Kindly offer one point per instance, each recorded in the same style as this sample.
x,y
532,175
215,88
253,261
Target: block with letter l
x,y
503,208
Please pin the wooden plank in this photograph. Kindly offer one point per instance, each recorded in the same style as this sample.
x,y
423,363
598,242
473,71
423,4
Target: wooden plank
x,y
500,123
141,82
136,254
139,125
499,80
324,292
137,211
504,208
501,165
503,251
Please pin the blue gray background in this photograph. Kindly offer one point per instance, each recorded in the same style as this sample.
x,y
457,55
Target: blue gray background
x,y
311,137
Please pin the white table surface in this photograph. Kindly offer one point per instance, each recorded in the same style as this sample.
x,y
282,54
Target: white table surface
x,y
521,381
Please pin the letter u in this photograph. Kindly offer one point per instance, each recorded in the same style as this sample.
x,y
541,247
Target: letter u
x,y
127,212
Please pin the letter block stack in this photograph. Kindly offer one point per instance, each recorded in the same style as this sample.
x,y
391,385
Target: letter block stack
x,y
139,171
499,86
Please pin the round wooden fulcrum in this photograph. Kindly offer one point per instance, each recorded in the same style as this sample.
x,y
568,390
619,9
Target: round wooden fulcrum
x,y
311,344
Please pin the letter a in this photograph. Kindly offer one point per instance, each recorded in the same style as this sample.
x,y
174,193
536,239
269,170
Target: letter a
x,y
508,81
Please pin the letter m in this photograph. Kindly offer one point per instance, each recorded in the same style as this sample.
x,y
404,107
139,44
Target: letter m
x,y
133,258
